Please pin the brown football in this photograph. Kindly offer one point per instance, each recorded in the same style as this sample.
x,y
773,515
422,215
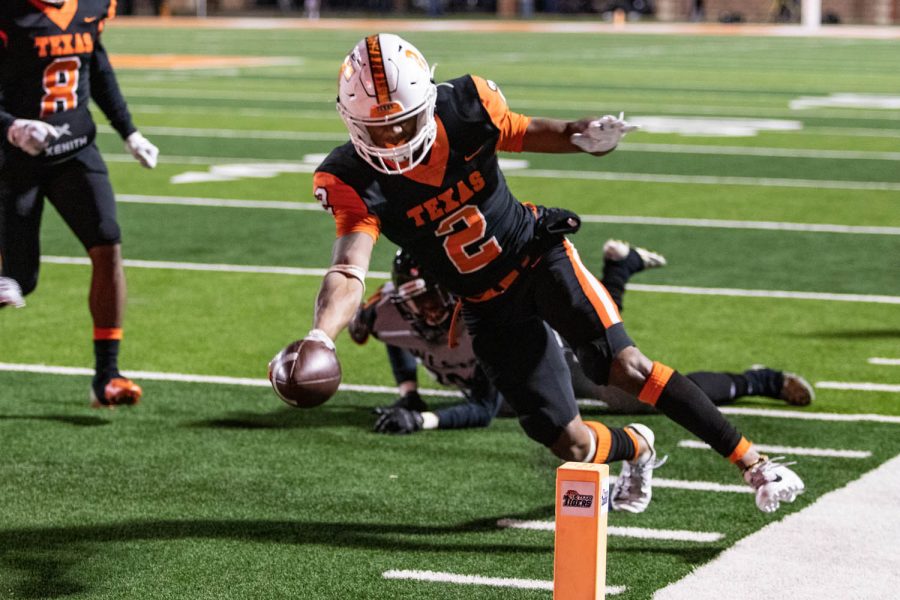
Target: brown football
x,y
305,374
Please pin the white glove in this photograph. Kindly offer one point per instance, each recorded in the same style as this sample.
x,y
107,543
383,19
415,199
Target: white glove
x,y
32,137
603,134
142,150
320,336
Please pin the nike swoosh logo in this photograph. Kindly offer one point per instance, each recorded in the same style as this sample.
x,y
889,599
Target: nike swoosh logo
x,y
777,479
469,157
90,19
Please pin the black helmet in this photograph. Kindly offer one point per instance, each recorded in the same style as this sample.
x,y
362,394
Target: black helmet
x,y
419,297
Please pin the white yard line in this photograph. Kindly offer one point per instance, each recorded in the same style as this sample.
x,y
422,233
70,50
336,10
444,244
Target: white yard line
x,y
859,386
624,219
891,362
791,450
557,174
313,272
458,579
735,224
803,415
643,533
843,546
327,136
224,380
673,289
886,186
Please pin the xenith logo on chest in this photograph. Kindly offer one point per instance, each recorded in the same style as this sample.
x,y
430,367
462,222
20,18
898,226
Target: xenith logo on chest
x,y
447,201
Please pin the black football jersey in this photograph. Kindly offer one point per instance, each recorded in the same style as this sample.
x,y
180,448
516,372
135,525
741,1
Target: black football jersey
x,y
454,212
45,65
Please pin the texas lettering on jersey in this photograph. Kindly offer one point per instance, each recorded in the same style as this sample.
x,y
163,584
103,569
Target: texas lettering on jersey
x,y
454,212
46,55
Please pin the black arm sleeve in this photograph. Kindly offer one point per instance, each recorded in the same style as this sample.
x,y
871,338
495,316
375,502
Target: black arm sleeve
x,y
403,364
106,93
481,407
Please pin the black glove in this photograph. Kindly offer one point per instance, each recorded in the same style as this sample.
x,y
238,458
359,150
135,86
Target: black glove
x,y
360,325
399,421
410,401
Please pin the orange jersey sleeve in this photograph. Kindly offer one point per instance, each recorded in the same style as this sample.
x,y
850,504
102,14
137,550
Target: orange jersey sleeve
x,y
512,125
350,212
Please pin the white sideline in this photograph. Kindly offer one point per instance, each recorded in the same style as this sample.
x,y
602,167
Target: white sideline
x,y
790,450
644,533
843,546
507,582
664,289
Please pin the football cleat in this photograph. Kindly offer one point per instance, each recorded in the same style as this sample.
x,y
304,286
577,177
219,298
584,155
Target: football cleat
x,y
616,250
116,391
774,482
796,390
10,293
634,486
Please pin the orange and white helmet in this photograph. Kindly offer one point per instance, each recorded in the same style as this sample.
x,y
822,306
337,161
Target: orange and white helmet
x,y
385,81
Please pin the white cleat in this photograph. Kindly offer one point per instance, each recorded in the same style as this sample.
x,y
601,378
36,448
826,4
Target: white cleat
x,y
10,293
774,483
616,250
634,486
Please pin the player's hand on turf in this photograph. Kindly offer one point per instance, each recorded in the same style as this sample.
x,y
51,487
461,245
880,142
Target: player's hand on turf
x,y
411,400
602,135
399,421
31,136
142,150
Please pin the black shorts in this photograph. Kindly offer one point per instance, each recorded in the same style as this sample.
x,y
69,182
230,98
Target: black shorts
x,y
78,188
513,340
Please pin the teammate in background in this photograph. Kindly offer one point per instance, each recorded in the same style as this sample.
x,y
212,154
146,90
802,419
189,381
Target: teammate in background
x,y
412,316
51,64
422,168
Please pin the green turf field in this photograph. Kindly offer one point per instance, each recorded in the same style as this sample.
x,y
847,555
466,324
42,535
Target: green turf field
x,y
210,490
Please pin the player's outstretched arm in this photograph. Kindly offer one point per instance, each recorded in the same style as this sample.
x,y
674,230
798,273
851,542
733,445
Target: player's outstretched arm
x,y
591,135
342,288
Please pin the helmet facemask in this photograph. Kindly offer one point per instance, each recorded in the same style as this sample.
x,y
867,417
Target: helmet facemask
x,y
386,88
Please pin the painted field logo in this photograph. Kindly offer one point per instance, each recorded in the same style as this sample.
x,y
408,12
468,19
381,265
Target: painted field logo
x,y
577,498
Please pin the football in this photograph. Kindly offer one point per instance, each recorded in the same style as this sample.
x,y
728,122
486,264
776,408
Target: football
x,y
305,374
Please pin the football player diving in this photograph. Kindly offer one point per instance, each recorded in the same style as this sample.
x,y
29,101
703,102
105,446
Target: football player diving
x,y
421,167
52,63
412,315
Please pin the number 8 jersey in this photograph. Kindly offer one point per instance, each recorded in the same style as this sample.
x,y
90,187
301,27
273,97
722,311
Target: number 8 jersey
x,y
454,212
51,63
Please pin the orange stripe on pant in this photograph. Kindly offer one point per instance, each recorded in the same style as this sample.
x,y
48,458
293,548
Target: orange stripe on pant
x,y
593,289
656,382
604,440
108,333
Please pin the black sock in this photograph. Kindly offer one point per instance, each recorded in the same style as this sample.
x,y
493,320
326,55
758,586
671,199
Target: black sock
x,y
106,359
686,404
620,447
616,274
763,382
722,388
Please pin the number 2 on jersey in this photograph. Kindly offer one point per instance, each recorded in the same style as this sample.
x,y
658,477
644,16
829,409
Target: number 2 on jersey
x,y
60,86
457,240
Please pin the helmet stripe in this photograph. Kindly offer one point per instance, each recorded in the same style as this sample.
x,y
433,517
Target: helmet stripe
x,y
376,64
